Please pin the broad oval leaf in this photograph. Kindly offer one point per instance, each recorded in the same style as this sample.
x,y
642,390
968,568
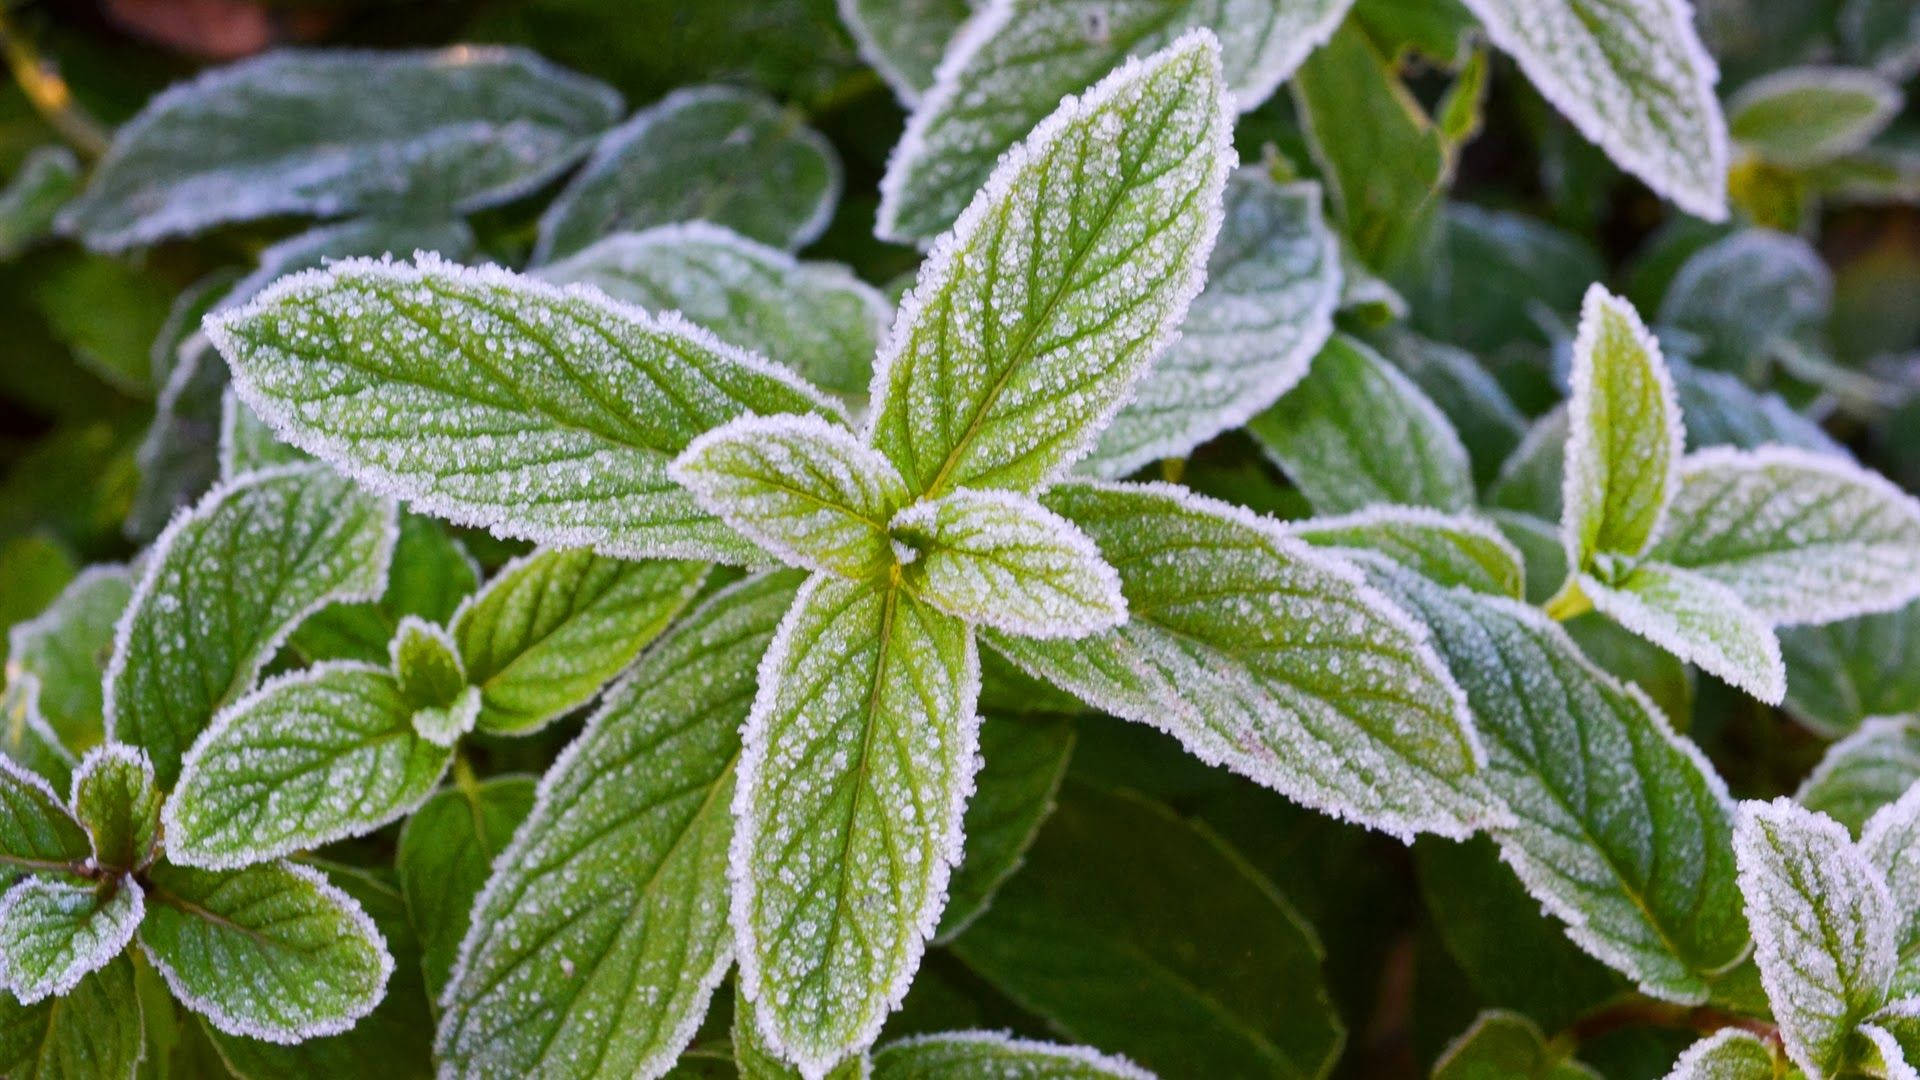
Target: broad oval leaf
x,y
1452,549
1262,654
55,932
1633,76
54,659
492,399
962,1054
1067,273
904,39
1490,425
1722,410
553,627
857,761
1272,282
1022,761
1698,620
1727,1054
36,831
1014,60
816,318
1504,1045
444,857
94,1032
706,153
1865,771
1745,291
1807,115
296,132
116,798
1891,842
602,933
1843,672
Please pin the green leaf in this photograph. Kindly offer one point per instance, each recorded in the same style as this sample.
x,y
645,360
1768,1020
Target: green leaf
x,y
857,761
1727,1054
555,626
1843,672
55,659
1808,115
246,442
39,187
425,663
1668,680
1801,537
1264,655
904,39
223,586
73,292
431,574
1823,928
1698,620
1356,432
1022,763
92,1033
1624,436
115,797
1619,827
1633,76
1539,545
1464,293
36,831
1189,962
1002,560
218,938
1033,318
1891,841
1488,422
54,932
444,857
1452,549
1745,291
805,490
1865,771
755,1061
816,318
1894,1034
704,153
1504,1045
602,932
1272,282
295,132
309,758
555,426
1532,479
961,1054
1722,410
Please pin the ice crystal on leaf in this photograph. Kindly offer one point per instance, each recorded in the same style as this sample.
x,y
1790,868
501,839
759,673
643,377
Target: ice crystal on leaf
x,y
54,933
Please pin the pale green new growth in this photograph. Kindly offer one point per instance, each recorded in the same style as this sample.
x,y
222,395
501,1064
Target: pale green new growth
x,y
1698,620
1456,549
53,933
1502,1045
1808,115
424,661
1727,1054
115,797
93,1031
960,1055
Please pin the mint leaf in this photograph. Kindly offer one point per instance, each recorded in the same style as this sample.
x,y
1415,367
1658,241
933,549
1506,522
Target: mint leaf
x,y
92,1031
1539,544
960,1054
1698,620
1532,479
556,427
445,854
1802,538
1634,78
816,318
553,627
430,576
857,761
246,441
115,797
1808,115
1033,318
1479,408
307,759
904,39
1727,1054
756,1061
1624,436
1891,842
1272,282
217,937
36,831
425,663
1356,432
1452,549
294,132
1019,59
1503,1045
1022,763
708,153
1286,667
53,659
1722,410
602,932
1865,771
1002,560
54,932
805,490
1823,928
1744,292
1843,672
34,194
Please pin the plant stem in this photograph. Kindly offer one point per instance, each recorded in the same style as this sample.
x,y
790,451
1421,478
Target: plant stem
x,y
49,93
1568,602
1639,1011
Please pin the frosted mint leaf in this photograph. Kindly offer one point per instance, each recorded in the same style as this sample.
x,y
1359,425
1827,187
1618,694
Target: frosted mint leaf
x,y
1808,115
1727,1054
1895,1036
904,39
1865,771
706,153
1286,667
1356,432
1743,292
445,854
1891,841
1487,420
94,1031
1843,672
603,932
1503,1045
1823,928
1022,763
857,761
425,662
53,659
1634,78
1531,479
1004,561
222,588
217,937
960,1054
555,626
1620,827
1272,282
816,318
34,194
755,1060
115,797
295,132
54,932
1698,620
1452,549
36,831
1624,436
307,759
246,441
1722,410
1801,537
1014,60
809,492
1538,542
1032,319
430,576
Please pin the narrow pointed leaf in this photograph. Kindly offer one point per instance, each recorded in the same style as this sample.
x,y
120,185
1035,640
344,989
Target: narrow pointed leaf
x,y
904,39
1865,771
1843,672
54,659
1034,317
54,932
1891,841
1452,549
602,933
498,400
1807,115
91,1033
36,831
1727,1054
1502,1045
1698,620
444,857
115,797
960,1054
1022,763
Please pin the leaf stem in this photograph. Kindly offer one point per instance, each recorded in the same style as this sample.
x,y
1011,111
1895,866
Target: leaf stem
x,y
1638,1011
49,93
1569,602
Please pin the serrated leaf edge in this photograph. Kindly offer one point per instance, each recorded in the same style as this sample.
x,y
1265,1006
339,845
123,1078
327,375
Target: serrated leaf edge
x,y
82,967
